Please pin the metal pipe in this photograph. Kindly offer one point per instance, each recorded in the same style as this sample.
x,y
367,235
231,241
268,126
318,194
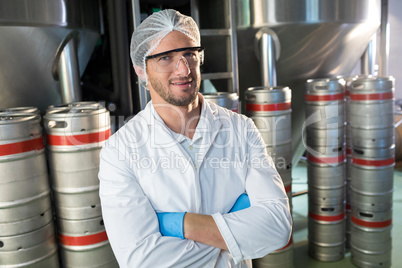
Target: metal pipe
x,y
142,92
384,40
267,60
368,59
120,55
68,73
233,51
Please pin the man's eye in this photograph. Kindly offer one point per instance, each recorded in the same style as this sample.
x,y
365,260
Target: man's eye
x,y
164,58
190,55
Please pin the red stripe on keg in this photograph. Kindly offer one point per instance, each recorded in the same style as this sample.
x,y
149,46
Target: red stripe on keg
x,y
348,151
377,96
326,160
78,139
327,218
288,188
83,240
373,224
333,97
347,93
376,163
21,147
268,107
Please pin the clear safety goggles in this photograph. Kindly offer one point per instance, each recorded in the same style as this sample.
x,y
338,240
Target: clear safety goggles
x,y
169,61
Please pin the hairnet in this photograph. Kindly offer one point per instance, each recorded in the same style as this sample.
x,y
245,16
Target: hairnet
x,y
152,30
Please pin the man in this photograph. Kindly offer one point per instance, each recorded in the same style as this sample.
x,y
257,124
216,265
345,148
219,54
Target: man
x,y
172,180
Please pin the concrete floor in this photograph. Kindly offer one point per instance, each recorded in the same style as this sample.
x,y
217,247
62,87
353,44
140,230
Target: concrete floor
x,y
300,230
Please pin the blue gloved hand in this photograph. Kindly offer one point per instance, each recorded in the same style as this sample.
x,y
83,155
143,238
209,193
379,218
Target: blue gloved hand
x,y
241,203
171,223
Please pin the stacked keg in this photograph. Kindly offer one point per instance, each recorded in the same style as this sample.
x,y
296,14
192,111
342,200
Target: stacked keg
x,y
27,237
270,109
325,147
75,135
372,131
225,99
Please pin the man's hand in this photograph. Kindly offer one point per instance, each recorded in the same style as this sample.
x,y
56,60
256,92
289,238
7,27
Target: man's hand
x,y
171,223
241,203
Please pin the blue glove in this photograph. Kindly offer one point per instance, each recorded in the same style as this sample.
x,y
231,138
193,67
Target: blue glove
x,y
241,203
171,223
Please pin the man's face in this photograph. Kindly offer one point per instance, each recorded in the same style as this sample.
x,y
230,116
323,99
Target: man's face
x,y
179,86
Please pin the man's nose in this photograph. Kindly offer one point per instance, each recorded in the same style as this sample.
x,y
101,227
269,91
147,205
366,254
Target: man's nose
x,y
184,67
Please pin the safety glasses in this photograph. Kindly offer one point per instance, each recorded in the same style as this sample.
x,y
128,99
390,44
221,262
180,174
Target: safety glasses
x,y
169,61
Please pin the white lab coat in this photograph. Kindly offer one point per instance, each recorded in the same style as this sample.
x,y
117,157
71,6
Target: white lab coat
x,y
143,170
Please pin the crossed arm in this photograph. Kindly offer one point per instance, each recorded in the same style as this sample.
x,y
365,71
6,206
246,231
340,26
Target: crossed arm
x,y
197,227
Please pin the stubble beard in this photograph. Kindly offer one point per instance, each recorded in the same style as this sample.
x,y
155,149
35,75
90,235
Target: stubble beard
x,y
169,97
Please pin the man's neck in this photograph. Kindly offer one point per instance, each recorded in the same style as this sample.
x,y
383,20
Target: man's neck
x,y
181,119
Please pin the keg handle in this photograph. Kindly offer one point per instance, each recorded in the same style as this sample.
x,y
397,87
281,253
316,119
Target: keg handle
x,y
57,124
365,215
358,151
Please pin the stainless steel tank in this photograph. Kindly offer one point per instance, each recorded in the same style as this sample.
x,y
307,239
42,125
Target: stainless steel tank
x,y
312,39
45,45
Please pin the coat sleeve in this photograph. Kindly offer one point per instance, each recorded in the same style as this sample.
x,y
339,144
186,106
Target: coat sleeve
x,y
266,225
132,225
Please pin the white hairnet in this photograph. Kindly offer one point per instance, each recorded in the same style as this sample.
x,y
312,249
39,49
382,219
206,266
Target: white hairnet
x,y
152,30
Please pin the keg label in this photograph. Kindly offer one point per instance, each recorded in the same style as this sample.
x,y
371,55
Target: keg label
x,y
333,97
83,240
78,139
21,147
326,160
367,97
372,224
317,217
375,163
268,107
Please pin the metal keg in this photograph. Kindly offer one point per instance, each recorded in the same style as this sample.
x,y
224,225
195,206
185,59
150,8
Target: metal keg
x,y
370,241
362,258
75,135
326,238
224,99
275,130
281,258
26,218
27,110
324,100
372,170
374,240
33,248
267,101
325,137
84,243
326,231
326,177
372,112
270,109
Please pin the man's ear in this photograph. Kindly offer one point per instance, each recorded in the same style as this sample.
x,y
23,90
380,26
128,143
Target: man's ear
x,y
140,72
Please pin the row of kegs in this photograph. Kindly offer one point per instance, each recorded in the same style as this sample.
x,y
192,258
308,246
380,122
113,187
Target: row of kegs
x,y
31,202
370,102
350,141
325,149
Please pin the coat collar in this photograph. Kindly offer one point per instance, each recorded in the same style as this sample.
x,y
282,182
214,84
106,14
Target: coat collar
x,y
207,127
